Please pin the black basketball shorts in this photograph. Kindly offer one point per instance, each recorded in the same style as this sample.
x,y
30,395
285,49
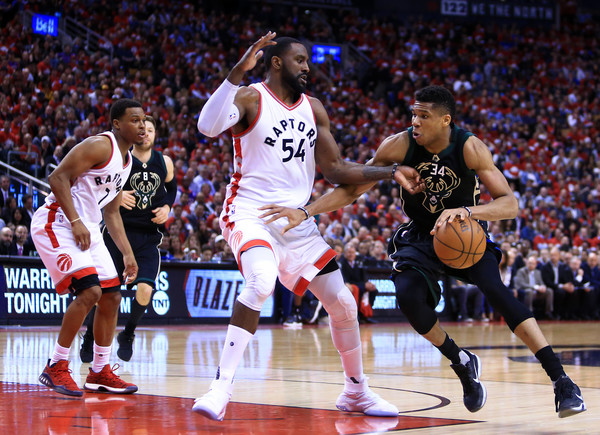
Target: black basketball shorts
x,y
145,248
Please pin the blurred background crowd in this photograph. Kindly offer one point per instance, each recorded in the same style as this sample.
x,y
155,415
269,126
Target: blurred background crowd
x,y
531,93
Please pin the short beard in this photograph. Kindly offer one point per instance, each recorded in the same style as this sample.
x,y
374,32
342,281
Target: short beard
x,y
293,82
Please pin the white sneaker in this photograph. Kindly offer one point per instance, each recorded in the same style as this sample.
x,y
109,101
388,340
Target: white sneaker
x,y
367,402
213,404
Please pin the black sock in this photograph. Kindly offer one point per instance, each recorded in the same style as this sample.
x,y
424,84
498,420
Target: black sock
x,y
550,363
450,350
297,309
137,311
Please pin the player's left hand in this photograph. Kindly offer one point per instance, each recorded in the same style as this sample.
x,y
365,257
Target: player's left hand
x,y
409,179
450,215
161,214
131,268
295,216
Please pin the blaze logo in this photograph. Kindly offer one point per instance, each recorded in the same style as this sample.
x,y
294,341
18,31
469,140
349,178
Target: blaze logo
x,y
236,239
64,262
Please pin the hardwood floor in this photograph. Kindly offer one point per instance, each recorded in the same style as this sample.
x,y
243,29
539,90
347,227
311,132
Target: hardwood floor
x,y
289,380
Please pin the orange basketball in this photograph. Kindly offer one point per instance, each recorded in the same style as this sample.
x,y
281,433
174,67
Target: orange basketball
x,y
460,244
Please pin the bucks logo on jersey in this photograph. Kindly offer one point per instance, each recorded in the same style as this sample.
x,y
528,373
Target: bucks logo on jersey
x,y
145,184
440,181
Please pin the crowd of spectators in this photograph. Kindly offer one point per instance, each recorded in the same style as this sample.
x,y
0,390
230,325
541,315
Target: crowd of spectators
x,y
531,93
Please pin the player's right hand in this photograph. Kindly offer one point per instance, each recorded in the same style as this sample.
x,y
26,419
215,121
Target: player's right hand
x,y
254,53
131,268
409,179
81,235
127,199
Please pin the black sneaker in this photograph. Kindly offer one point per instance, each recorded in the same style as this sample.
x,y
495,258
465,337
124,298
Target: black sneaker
x,y
125,345
474,393
293,321
567,397
86,353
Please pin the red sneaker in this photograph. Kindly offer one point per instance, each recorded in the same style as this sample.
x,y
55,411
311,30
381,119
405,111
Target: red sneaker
x,y
107,381
58,377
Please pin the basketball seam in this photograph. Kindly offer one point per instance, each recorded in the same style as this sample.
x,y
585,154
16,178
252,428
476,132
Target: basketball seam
x,y
472,253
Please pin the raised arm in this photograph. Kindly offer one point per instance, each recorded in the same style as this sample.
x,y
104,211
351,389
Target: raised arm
x,y
230,104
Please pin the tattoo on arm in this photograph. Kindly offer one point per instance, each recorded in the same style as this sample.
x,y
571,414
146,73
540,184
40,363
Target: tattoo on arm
x,y
376,173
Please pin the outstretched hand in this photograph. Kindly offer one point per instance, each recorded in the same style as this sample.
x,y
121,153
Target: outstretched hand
x,y
255,52
295,216
409,179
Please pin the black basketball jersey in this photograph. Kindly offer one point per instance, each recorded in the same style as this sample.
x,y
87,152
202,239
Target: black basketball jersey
x,y
449,183
147,180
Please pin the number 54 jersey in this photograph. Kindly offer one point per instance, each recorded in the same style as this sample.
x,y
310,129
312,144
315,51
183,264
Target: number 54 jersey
x,y
274,158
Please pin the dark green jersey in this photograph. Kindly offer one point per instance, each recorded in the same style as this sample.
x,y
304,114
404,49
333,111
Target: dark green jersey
x,y
147,180
449,183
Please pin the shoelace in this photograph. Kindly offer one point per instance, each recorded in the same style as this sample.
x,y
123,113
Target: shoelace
x,y
64,376
565,389
112,369
467,378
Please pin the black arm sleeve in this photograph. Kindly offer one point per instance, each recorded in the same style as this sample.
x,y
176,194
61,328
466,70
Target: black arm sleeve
x,y
171,188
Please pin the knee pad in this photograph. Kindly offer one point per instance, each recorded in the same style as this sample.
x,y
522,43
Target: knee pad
x,y
344,308
260,283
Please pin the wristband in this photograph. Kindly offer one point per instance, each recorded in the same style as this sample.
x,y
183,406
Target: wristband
x,y
468,210
394,167
305,212
75,220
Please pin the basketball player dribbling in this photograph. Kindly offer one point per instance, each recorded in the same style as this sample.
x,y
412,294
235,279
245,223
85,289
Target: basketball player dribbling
x,y
451,161
67,235
280,135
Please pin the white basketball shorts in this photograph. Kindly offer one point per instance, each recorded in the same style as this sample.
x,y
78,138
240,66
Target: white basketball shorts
x,y
51,233
300,253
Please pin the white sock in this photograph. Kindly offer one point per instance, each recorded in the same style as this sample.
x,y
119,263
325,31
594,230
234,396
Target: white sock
x,y
236,341
101,357
59,353
464,358
356,385
352,363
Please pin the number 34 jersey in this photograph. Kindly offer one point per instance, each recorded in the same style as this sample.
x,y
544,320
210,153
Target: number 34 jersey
x,y
274,158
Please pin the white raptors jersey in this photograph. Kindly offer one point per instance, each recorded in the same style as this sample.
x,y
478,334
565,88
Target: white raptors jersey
x,y
274,158
98,186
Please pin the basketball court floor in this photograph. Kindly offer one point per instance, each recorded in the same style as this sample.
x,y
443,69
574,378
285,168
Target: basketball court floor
x,y
289,380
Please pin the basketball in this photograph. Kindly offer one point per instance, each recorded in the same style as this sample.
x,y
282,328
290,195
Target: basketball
x,y
460,244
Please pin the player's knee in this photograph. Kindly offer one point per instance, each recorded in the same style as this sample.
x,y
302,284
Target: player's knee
x,y
143,294
89,296
260,283
110,300
344,308
406,300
